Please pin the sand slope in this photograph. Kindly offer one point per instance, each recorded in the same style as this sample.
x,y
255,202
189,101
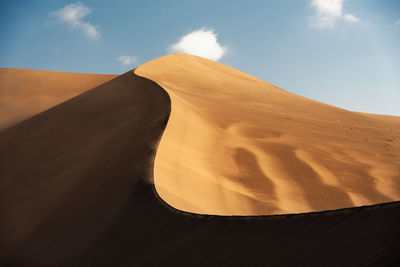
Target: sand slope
x,y
67,172
24,93
75,190
236,145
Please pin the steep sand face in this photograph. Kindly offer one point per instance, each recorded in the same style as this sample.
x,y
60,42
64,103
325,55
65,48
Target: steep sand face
x,y
66,173
24,93
237,145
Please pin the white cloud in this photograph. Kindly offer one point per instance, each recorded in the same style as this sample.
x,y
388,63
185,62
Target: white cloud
x,y
127,60
72,15
397,23
350,18
201,43
327,12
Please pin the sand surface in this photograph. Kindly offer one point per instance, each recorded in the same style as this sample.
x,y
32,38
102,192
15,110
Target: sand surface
x,y
24,93
237,145
76,190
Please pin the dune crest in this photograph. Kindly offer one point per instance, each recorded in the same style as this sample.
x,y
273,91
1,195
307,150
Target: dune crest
x,y
237,145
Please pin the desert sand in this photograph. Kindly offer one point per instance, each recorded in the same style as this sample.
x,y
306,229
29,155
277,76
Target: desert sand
x,y
24,93
237,145
77,188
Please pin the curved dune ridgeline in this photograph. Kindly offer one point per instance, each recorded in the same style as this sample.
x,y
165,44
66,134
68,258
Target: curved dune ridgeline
x,y
24,93
236,145
76,180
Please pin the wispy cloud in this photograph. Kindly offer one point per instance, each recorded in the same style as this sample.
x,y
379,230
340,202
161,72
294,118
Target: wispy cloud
x,y
127,60
72,15
327,12
202,42
397,23
350,18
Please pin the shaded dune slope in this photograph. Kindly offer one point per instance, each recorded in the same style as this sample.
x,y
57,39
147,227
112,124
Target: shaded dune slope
x,y
76,191
237,145
24,93
67,172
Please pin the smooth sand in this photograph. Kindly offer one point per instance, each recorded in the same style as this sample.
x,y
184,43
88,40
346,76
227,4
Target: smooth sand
x,y
24,93
237,145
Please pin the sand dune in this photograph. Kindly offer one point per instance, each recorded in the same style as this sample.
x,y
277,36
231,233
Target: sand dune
x,y
76,190
237,145
24,93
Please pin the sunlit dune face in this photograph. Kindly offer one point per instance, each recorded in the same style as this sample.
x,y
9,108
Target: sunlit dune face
x,y
236,145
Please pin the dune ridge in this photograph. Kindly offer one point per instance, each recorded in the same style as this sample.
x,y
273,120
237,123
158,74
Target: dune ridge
x,y
237,145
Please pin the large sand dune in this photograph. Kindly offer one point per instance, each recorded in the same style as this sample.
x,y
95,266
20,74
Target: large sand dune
x,y
24,93
76,185
237,145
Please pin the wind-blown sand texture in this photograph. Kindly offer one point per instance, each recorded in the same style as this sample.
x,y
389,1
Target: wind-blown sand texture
x,y
237,145
24,93
76,189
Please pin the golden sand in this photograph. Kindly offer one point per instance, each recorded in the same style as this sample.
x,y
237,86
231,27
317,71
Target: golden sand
x,y
237,145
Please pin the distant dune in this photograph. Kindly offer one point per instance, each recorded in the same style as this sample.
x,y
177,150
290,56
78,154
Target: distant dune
x,y
237,145
77,188
24,93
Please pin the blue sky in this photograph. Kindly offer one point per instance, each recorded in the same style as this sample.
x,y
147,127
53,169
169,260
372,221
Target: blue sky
x,y
341,52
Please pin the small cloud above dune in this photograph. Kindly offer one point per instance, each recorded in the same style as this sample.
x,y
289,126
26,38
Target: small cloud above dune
x,y
350,18
202,42
127,60
328,12
72,15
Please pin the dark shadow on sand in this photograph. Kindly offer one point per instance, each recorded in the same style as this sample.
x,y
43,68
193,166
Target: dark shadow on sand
x,y
76,191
